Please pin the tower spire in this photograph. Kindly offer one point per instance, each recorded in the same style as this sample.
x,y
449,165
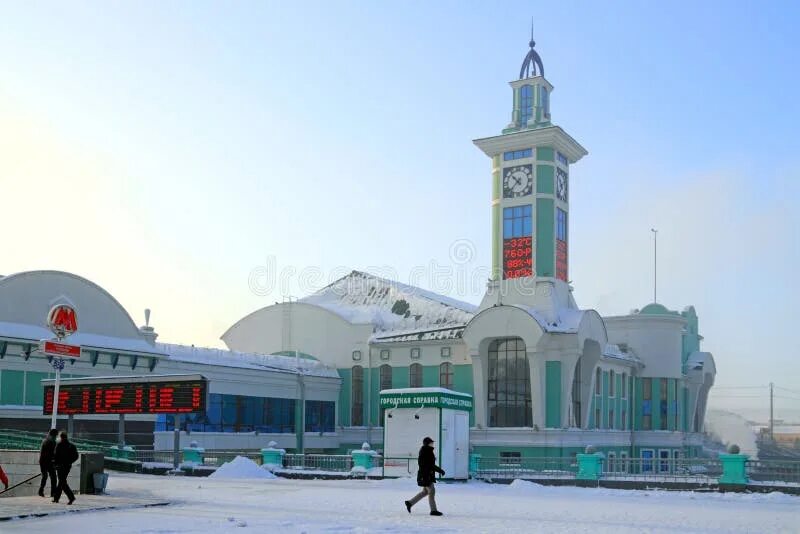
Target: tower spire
x,y
532,61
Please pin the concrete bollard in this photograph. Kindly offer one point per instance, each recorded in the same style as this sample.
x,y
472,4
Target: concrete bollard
x,y
734,468
272,457
362,459
590,465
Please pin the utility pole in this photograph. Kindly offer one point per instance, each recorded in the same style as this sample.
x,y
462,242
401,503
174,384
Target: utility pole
x,y
771,413
655,263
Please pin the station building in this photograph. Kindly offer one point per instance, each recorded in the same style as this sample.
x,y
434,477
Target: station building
x,y
547,377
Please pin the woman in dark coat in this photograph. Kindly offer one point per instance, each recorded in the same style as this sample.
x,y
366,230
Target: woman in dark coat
x,y
426,476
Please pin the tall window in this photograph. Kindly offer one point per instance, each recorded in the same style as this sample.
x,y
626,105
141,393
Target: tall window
x,y
611,419
386,376
598,418
446,375
561,224
357,396
611,378
576,395
509,385
624,389
662,405
598,382
647,404
525,104
385,372
675,405
415,375
624,422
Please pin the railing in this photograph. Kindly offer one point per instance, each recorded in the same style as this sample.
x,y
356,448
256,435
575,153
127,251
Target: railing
x,y
526,467
774,472
698,470
24,440
318,462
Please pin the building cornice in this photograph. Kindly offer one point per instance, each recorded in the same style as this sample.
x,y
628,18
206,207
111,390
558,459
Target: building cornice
x,y
550,136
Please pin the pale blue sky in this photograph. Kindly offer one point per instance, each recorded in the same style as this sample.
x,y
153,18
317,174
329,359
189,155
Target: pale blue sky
x,y
197,141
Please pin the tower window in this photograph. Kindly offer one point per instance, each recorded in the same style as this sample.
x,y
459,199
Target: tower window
x,y
525,104
562,159
545,103
518,154
517,221
561,224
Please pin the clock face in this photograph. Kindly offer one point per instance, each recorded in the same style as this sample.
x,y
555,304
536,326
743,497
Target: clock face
x,y
561,185
517,181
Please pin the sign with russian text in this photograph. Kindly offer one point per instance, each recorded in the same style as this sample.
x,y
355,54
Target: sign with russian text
x,y
426,400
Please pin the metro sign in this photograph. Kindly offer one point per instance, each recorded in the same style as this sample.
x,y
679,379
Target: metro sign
x,y
59,350
62,320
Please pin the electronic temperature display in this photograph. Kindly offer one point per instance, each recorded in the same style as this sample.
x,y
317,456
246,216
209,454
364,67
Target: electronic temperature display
x,y
167,396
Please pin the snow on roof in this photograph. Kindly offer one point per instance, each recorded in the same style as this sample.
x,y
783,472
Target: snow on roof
x,y
615,352
396,391
246,360
389,305
424,334
34,333
569,320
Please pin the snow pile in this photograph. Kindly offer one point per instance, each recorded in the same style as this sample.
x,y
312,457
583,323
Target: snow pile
x,y
241,467
363,298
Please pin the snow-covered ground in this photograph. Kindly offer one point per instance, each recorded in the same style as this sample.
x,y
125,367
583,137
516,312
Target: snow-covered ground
x,y
282,505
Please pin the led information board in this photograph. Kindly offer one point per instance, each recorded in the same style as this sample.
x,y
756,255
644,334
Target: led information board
x,y
121,395
517,257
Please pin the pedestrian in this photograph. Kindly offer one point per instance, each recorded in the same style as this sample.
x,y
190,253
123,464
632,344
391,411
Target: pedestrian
x,y
3,478
426,476
65,455
46,465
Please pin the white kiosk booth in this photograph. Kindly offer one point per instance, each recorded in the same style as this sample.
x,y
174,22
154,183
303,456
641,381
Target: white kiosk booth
x,y
411,414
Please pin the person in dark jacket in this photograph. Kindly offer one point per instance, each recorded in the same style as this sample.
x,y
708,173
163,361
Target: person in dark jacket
x,y
426,476
46,465
65,455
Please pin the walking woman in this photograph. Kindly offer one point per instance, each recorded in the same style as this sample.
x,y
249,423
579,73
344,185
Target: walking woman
x,y
426,477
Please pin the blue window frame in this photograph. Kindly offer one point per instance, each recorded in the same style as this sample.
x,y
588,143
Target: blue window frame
x,y
545,103
562,159
561,225
238,413
517,221
518,154
525,104
320,416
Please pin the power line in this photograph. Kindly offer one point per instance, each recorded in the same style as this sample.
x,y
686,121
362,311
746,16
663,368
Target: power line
x,y
789,390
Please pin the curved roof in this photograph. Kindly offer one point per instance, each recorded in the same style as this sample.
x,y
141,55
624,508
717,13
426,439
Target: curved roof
x,y
26,298
363,298
246,360
656,309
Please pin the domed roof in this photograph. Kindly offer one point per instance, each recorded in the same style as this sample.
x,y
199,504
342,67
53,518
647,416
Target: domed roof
x,y
656,309
532,61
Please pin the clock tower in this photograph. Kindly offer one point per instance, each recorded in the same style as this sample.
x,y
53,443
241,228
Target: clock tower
x,y
531,161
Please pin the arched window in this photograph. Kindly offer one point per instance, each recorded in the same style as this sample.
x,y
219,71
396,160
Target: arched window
x,y
509,384
525,104
386,376
357,396
415,375
446,375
